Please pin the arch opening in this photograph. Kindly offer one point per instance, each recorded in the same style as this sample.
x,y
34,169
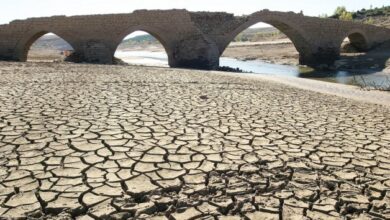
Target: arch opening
x,y
47,47
271,42
354,43
142,48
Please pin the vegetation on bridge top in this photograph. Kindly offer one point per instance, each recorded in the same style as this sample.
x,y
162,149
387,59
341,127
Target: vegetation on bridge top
x,y
376,16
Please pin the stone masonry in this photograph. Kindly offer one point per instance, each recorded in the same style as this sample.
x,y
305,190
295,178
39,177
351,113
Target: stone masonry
x,y
191,39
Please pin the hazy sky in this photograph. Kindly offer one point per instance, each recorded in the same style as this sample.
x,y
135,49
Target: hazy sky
x,y
21,9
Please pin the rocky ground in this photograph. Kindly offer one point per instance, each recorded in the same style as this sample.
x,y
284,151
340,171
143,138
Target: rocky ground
x,y
95,142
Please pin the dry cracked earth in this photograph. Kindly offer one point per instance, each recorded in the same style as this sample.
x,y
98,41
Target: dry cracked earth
x,y
109,142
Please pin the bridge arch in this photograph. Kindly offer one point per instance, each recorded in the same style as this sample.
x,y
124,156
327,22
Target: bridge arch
x,y
357,39
290,30
154,32
25,44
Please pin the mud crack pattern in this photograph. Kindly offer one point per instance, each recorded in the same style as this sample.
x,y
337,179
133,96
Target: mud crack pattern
x,y
93,142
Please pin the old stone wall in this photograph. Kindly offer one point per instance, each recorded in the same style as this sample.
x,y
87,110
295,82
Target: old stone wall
x,y
96,37
317,40
191,39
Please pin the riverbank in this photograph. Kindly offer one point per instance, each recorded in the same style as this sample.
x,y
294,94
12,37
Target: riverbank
x,y
283,52
370,70
279,52
329,88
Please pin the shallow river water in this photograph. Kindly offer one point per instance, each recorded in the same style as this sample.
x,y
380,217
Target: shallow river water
x,y
149,58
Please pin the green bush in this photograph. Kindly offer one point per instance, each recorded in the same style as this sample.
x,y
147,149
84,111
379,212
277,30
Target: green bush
x,y
342,13
339,11
346,16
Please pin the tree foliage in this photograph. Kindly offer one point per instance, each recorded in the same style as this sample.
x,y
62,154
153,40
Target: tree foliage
x,y
364,14
323,16
339,11
346,16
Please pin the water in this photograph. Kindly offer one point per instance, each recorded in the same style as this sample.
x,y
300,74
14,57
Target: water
x,y
368,77
145,58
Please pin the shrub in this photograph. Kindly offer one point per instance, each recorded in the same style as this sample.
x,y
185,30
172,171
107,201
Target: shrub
x,y
346,16
339,11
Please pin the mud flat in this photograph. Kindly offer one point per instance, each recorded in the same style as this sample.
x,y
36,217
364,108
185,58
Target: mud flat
x,y
90,141
341,90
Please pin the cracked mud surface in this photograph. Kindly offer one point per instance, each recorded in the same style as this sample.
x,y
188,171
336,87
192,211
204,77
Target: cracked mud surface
x,y
92,142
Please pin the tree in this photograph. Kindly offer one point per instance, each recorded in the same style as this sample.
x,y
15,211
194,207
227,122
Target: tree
x,y
346,16
323,16
340,10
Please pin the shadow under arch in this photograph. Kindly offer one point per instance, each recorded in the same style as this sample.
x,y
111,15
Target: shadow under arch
x,y
357,39
25,46
150,31
299,42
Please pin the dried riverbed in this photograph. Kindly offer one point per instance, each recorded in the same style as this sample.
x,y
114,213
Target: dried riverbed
x,y
92,141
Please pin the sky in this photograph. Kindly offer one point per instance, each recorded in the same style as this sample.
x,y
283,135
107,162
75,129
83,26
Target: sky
x,y
22,9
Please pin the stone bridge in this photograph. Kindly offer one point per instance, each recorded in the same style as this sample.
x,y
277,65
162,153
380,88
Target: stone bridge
x,y
191,39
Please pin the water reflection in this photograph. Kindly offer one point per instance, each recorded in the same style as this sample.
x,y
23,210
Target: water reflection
x,y
257,66
342,77
358,77
355,77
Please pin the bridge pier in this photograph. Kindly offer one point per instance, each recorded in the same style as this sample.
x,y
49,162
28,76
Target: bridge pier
x,y
195,52
320,58
191,53
91,52
189,56
199,61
